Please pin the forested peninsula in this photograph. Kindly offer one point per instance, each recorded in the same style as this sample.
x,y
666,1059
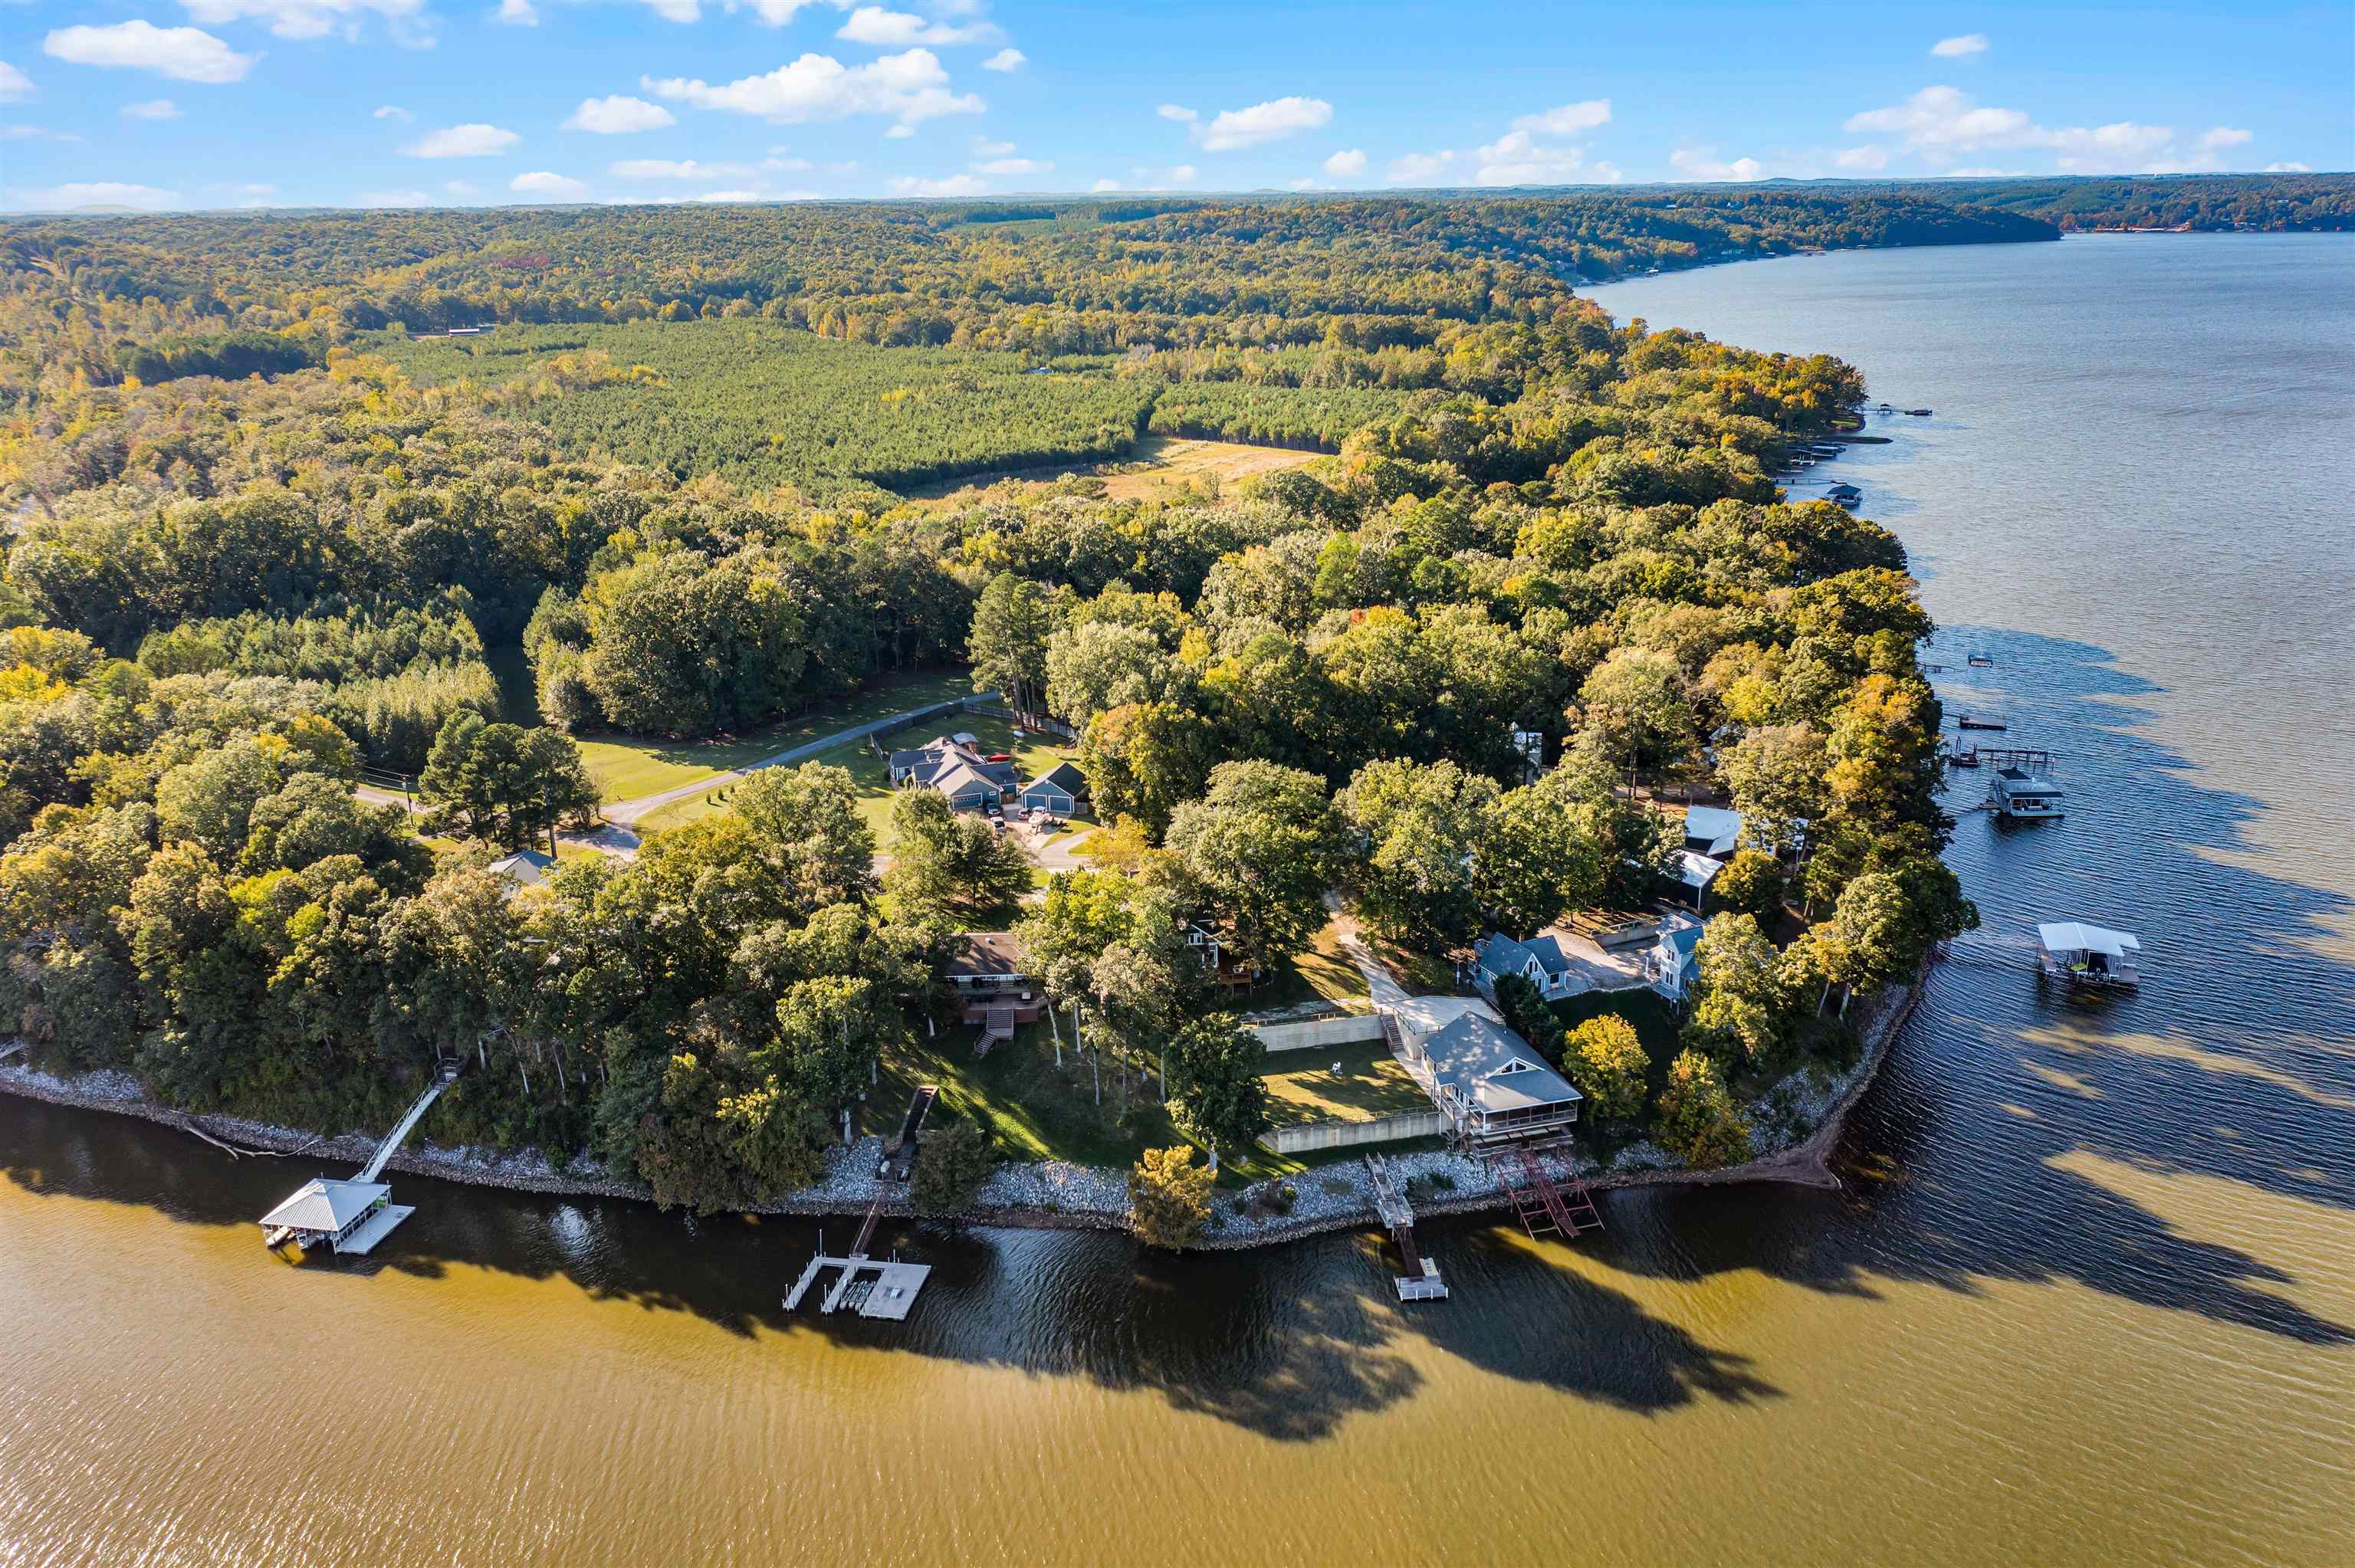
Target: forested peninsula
x,y
1523,583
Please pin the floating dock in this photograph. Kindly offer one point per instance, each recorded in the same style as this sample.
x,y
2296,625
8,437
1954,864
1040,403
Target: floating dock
x,y
351,1217
874,1287
1421,1282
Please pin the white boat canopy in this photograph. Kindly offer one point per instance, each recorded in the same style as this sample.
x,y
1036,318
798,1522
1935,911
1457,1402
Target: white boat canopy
x,y
325,1207
2077,936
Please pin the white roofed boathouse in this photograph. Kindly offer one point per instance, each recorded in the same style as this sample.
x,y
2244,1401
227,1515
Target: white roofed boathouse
x,y
2077,954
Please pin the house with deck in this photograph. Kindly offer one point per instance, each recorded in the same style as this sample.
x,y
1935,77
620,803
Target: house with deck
x,y
1490,1086
958,768
985,971
1540,960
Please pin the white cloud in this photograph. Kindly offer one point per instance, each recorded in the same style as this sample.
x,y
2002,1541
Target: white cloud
x,y
184,54
1703,164
97,193
776,161
393,111
1006,59
2217,138
152,108
35,133
256,195
2289,167
1863,158
1960,48
874,25
1100,186
729,195
910,87
1170,178
983,147
462,142
949,185
688,11
15,85
541,182
1271,121
1178,112
1178,174
1568,120
1346,162
517,14
1015,166
1516,159
900,132
462,187
618,115
1605,171
304,18
674,169
1415,167
1983,171
392,198
775,13
1304,184
1941,123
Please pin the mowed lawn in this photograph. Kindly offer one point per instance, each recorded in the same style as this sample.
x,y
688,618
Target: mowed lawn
x,y
1356,1082
626,767
1033,754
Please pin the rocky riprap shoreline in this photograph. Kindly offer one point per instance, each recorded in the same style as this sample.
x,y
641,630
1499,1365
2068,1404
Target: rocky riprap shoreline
x,y
1793,1128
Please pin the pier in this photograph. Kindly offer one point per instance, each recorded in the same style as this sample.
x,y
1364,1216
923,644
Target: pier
x,y
352,1216
872,1287
1421,1282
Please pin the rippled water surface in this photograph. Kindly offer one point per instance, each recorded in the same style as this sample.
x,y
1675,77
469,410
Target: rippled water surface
x,y
2090,1297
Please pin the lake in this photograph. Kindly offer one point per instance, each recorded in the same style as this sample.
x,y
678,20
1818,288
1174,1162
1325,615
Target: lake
x,y
2089,1296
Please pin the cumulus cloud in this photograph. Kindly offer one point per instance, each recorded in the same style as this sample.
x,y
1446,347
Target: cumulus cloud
x,y
900,132
1015,166
462,142
1863,158
555,187
1100,186
97,193
910,87
462,187
2289,167
1170,178
392,198
517,14
393,111
1568,120
15,85
1417,168
1941,123
1345,163
1006,59
875,25
1516,158
729,195
1271,121
152,108
676,169
947,185
1703,164
184,54
983,147
306,18
618,115
2218,137
1960,48
1178,112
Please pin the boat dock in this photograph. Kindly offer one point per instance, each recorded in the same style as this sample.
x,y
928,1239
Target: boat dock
x,y
1546,1207
1421,1282
874,1287
352,1216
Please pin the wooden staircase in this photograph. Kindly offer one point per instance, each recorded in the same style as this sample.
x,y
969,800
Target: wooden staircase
x,y
996,1024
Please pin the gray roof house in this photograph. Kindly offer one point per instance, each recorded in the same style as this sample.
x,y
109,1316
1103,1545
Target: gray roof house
x,y
1489,1084
525,868
1539,960
956,770
1057,790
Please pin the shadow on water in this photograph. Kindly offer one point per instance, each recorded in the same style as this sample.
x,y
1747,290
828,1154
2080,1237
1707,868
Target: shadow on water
x,y
1970,1159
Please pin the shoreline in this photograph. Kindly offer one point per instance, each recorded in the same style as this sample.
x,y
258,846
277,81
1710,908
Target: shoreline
x,y
1805,1163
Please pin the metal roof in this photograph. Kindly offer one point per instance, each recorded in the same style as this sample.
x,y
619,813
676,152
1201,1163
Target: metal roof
x,y
1473,1052
1716,827
325,1207
2077,936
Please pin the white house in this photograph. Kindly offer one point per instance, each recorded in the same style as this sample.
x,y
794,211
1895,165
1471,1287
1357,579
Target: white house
x,y
1674,958
1712,830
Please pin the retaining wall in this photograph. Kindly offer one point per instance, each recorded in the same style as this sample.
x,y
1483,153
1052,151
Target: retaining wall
x,y
1344,1029
1349,1134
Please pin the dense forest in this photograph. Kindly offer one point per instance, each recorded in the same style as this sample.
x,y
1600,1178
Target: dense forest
x,y
224,597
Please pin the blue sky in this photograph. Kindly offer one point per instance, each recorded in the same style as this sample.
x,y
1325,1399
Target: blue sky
x,y
222,104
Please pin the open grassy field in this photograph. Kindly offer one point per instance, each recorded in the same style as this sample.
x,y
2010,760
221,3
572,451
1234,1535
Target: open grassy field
x,y
1155,468
626,767
1302,1086
1033,754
